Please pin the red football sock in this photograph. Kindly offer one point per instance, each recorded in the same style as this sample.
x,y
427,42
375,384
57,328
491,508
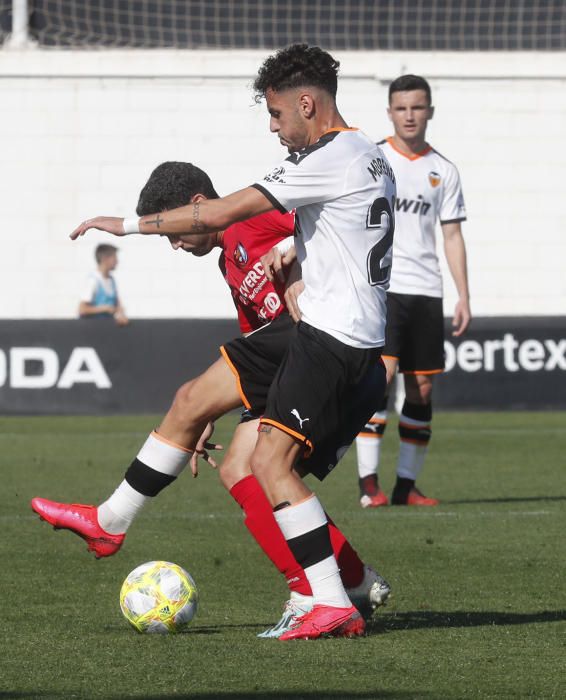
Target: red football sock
x,y
350,565
263,527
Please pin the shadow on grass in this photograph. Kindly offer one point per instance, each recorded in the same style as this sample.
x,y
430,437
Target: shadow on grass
x,y
526,499
124,630
414,620
218,695
195,630
289,695
426,619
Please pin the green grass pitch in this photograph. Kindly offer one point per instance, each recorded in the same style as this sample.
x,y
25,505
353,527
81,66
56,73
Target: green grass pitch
x,y
479,607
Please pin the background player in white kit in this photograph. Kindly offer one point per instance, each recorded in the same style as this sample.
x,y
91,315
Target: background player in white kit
x,y
428,190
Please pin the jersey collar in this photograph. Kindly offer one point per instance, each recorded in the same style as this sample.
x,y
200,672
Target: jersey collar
x,y
340,128
414,156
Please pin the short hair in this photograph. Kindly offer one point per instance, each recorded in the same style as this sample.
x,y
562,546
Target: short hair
x,y
171,185
410,82
298,65
104,250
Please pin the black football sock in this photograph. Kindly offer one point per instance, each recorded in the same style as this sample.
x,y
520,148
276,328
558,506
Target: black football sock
x,y
401,490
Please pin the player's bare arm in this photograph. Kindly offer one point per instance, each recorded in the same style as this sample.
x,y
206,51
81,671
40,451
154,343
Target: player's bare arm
x,y
455,251
206,216
294,287
86,309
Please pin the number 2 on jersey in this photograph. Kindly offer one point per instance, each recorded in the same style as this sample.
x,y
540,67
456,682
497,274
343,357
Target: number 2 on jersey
x,y
380,216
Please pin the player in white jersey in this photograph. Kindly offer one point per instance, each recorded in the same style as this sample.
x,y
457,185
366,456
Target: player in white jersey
x,y
343,191
345,217
428,191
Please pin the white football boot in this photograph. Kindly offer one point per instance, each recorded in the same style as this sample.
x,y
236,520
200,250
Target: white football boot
x,y
296,606
370,594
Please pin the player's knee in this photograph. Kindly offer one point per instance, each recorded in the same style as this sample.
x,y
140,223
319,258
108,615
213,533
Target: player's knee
x,y
421,394
263,463
232,471
258,464
418,390
186,404
272,461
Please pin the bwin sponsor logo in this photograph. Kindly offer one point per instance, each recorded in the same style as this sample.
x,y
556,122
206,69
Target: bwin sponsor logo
x,y
412,206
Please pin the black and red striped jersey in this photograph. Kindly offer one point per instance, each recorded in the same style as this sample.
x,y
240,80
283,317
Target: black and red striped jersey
x,y
256,299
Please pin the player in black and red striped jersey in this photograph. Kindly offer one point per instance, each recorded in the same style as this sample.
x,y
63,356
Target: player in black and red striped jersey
x,y
173,184
258,304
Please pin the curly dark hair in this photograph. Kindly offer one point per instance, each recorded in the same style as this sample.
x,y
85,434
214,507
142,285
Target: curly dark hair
x,y
171,185
410,82
299,65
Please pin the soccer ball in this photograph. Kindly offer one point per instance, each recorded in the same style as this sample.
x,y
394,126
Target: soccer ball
x,y
159,597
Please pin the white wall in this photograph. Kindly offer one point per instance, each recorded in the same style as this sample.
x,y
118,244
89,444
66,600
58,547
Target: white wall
x,y
81,132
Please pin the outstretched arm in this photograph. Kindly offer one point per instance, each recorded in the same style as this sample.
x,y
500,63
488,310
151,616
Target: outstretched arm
x,y
120,315
205,216
88,309
455,251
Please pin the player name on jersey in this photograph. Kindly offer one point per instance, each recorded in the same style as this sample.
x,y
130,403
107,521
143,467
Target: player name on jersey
x,y
379,167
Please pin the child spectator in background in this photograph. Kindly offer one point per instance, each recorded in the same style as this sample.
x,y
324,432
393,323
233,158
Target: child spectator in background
x,y
100,294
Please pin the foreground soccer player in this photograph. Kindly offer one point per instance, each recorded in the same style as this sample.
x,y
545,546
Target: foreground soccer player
x,y
174,184
429,190
343,190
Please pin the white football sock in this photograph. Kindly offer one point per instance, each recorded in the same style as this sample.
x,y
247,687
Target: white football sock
x,y
368,445
411,460
323,575
163,455
118,512
411,454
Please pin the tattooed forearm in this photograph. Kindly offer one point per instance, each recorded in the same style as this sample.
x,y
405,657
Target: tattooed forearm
x,y
157,221
197,226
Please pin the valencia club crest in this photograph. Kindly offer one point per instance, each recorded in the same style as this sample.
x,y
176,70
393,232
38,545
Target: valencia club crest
x,y
434,179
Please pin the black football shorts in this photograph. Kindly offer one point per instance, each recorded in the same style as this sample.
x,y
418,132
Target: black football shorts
x,y
415,333
323,394
255,358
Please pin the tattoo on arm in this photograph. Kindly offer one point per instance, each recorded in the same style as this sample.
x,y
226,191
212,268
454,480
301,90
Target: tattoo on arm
x,y
265,428
157,221
197,226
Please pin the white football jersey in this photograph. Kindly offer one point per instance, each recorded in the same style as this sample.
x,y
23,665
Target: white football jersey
x,y
343,190
428,189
